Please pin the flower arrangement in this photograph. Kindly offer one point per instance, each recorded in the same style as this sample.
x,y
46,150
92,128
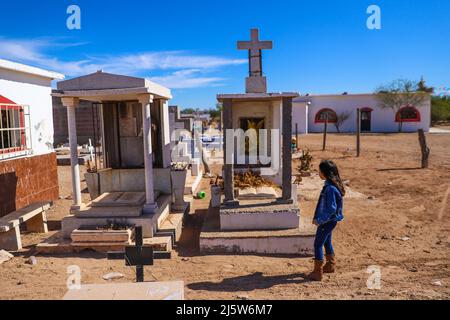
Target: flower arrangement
x,y
179,166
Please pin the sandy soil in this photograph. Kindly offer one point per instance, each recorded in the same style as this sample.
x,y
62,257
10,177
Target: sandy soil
x,y
398,229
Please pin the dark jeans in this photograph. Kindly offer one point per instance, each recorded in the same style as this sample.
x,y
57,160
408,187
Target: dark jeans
x,y
323,239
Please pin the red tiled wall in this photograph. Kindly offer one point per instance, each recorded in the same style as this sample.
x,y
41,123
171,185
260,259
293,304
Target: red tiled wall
x,y
27,180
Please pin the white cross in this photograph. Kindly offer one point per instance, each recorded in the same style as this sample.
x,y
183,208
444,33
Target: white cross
x,y
254,46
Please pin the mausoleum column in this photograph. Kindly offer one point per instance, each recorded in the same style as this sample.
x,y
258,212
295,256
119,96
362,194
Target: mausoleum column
x,y
228,172
71,104
146,100
287,149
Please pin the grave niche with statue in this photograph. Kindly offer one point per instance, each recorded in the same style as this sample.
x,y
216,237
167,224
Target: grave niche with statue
x,y
263,217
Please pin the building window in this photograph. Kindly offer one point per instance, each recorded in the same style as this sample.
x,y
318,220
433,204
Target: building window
x,y
408,114
326,114
12,127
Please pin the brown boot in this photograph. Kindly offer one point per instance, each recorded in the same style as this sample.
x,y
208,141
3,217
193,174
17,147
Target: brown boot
x,y
317,273
330,266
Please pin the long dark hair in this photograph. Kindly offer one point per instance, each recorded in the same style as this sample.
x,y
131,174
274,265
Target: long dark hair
x,y
330,170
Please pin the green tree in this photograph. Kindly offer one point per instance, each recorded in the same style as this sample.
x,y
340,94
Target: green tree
x,y
215,113
440,109
188,111
421,86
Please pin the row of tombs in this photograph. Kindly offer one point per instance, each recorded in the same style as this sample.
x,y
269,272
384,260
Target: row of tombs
x,y
137,184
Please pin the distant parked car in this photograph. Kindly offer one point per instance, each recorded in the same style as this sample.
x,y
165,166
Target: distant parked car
x,y
208,139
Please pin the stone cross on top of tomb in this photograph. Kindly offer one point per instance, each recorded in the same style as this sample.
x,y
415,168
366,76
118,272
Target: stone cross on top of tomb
x,y
255,47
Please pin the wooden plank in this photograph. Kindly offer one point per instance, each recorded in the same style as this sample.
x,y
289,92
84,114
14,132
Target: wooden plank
x,y
325,131
15,218
358,132
424,148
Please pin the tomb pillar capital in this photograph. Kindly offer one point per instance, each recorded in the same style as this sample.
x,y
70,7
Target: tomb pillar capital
x,y
70,102
145,98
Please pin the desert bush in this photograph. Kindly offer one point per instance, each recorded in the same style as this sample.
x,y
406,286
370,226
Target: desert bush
x,y
305,161
440,109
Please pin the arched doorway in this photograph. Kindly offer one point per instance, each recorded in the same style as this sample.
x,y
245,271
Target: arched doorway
x,y
366,119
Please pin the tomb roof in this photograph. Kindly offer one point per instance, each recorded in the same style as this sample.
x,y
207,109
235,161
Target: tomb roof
x,y
107,86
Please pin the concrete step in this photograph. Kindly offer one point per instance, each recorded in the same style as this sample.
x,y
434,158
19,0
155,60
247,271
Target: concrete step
x,y
159,243
58,245
104,216
170,234
172,224
109,212
102,236
213,240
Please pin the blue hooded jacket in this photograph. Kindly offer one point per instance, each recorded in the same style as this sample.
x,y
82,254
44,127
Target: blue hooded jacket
x,y
330,205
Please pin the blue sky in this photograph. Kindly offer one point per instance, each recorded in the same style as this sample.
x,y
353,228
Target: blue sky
x,y
319,46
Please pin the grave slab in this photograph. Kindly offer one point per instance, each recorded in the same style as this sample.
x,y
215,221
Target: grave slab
x,y
120,199
173,290
262,214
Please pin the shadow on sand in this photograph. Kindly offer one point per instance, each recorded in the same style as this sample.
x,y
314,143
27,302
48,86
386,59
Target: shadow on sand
x,y
249,282
399,169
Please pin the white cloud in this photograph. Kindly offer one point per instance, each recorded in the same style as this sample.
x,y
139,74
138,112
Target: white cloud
x,y
185,70
185,79
32,51
165,60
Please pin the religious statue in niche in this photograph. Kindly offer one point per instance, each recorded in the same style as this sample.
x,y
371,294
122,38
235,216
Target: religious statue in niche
x,y
255,124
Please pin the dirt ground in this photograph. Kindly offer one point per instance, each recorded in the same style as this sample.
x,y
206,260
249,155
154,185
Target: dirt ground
x,y
402,227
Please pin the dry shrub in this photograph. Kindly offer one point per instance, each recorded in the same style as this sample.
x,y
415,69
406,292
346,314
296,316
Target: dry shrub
x,y
305,161
251,179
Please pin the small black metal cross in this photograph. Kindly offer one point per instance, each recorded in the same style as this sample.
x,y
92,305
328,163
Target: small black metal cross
x,y
138,255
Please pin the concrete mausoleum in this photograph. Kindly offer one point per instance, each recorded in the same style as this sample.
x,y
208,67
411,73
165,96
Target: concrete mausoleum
x,y
131,183
268,221
184,147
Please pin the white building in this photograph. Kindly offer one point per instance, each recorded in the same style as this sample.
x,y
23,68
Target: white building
x,y
27,161
310,112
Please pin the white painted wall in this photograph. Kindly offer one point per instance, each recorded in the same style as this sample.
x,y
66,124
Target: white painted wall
x,y
383,120
300,117
166,133
34,91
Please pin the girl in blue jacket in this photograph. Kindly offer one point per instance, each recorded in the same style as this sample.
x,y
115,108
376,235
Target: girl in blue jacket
x,y
328,214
